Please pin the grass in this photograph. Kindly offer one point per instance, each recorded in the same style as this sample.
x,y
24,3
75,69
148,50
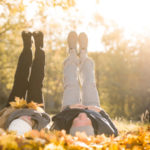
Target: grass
x,y
127,126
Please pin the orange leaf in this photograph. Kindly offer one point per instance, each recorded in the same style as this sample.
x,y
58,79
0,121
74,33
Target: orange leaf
x,y
19,103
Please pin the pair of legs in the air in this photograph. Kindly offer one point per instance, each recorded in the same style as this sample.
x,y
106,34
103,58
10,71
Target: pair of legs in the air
x,y
29,75
79,72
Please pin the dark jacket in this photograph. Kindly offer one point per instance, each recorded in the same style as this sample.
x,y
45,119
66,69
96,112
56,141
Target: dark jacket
x,y
41,119
101,122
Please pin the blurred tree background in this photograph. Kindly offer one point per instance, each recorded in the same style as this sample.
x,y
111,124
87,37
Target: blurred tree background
x,y
122,69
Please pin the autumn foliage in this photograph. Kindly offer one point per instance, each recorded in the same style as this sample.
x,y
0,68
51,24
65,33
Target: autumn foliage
x,y
59,140
21,103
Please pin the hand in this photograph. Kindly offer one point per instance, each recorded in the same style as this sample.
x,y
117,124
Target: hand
x,y
94,108
80,106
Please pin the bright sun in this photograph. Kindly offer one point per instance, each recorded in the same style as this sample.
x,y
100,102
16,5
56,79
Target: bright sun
x,y
131,15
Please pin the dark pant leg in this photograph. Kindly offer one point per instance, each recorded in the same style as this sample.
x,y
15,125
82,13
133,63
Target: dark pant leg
x,y
36,78
21,76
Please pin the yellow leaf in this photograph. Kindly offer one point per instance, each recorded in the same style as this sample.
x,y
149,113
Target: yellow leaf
x,y
35,106
19,103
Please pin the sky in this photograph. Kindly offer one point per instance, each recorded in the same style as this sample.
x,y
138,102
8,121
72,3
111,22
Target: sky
x,y
131,15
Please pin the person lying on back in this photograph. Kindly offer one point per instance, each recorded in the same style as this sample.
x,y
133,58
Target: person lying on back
x,y
81,114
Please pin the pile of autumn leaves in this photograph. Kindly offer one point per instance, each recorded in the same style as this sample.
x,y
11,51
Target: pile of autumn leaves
x,y
43,140
59,140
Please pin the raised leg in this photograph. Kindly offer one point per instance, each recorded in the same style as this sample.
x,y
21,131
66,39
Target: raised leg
x,y
37,72
71,93
23,68
89,93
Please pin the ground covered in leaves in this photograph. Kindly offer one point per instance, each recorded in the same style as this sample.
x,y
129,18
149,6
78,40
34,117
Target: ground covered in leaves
x,y
34,140
132,136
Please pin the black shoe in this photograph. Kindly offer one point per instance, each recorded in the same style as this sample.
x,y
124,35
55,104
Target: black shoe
x,y
27,39
38,39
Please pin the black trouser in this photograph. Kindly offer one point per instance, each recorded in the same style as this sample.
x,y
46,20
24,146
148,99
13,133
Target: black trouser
x,y
29,77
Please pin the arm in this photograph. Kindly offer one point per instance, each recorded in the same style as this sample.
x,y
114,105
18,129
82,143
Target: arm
x,y
94,108
79,106
106,116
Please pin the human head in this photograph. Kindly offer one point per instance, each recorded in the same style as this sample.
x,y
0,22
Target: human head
x,y
21,125
82,124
